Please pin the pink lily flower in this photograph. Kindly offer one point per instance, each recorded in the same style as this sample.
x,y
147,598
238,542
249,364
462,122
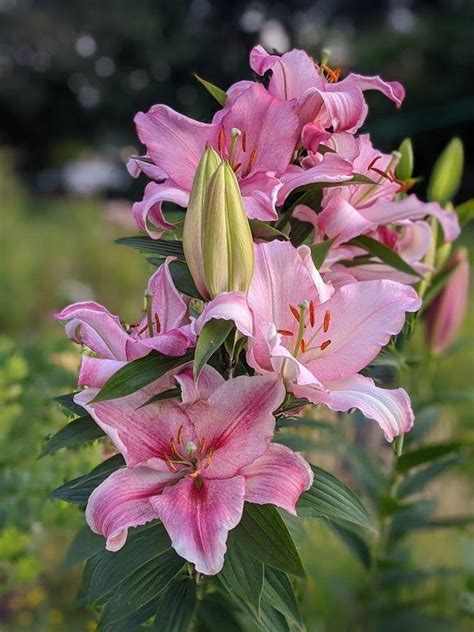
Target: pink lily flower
x,y
194,463
260,155
92,325
445,314
322,99
319,342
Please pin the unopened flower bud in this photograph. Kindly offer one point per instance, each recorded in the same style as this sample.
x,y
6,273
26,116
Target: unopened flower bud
x,y
192,236
227,244
445,314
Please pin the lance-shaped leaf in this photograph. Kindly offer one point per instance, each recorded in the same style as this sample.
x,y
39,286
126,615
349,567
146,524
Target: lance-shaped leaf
x,y
182,278
177,606
212,336
447,173
172,393
158,247
242,575
138,373
219,95
265,232
354,541
140,588
278,593
465,212
215,612
384,253
86,543
80,430
429,453
357,178
108,570
67,402
329,498
263,533
319,252
417,481
79,489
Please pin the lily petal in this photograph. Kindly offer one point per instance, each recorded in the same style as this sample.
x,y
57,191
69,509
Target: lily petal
x,y
198,517
148,213
278,477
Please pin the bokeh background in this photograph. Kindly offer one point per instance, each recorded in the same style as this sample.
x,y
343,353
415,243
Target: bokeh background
x,y
72,76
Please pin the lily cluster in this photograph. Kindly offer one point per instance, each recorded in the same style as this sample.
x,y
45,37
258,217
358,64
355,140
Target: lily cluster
x,y
290,215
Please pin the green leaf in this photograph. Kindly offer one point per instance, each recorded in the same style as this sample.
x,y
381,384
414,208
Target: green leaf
x,y
138,373
319,252
214,612
242,575
133,621
404,169
67,402
140,588
158,247
177,606
278,593
85,544
382,252
219,95
357,178
108,570
271,620
353,540
262,230
182,279
172,393
212,336
263,533
79,489
426,454
447,173
465,212
81,430
437,283
329,498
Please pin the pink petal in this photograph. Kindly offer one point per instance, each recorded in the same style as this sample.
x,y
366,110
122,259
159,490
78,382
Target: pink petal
x,y
95,372
149,210
293,72
139,164
411,208
393,90
198,518
141,434
91,324
391,409
278,477
123,501
209,380
167,302
175,142
312,135
341,109
271,127
173,343
363,316
228,306
237,421
332,169
259,194
339,220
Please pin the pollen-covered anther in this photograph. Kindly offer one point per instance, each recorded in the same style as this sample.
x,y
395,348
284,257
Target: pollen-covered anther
x,y
221,141
244,141
325,345
237,167
157,323
285,332
295,311
303,345
327,320
312,318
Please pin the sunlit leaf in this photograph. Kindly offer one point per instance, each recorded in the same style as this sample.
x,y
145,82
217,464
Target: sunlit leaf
x,y
219,95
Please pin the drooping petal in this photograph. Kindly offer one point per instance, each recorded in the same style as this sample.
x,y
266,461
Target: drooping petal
x,y
361,317
237,422
167,303
259,194
391,409
278,477
411,208
175,142
344,110
141,434
94,326
148,213
228,306
340,221
123,501
198,517
139,164
271,129
393,90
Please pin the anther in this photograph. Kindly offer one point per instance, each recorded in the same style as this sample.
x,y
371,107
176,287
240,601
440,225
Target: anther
x,y
251,161
157,323
237,167
285,332
325,345
295,312
180,434
148,307
311,314
327,320
221,141
244,141
303,345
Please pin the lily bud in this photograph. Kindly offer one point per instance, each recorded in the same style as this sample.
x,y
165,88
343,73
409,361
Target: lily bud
x,y
445,314
192,235
227,244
